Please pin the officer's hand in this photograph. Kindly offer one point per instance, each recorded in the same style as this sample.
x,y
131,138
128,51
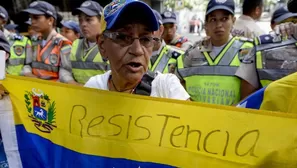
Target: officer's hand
x,y
3,91
286,29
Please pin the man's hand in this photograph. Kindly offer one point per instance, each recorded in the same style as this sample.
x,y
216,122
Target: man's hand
x,y
3,91
286,29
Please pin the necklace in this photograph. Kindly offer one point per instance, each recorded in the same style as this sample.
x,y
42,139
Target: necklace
x,y
113,85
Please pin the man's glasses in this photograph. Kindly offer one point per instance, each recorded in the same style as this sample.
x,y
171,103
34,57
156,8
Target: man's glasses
x,y
126,40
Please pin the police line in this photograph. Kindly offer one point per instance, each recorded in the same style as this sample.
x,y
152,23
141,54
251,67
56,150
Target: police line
x,y
58,125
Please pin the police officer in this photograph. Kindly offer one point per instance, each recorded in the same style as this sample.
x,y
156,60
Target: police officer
x,y
3,20
164,56
170,36
282,15
85,57
50,58
20,47
208,71
271,59
70,30
246,24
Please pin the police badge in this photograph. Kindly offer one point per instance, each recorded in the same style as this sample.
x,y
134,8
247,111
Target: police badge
x,y
53,59
18,50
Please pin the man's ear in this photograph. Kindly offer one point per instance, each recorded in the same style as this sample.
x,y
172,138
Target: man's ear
x,y
161,30
234,19
102,45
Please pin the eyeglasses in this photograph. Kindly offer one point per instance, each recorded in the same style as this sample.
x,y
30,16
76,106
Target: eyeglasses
x,y
126,40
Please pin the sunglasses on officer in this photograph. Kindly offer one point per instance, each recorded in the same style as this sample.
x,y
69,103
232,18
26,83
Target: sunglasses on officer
x,y
125,40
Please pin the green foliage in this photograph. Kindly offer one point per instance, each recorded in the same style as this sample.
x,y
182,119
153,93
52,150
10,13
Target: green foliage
x,y
45,97
52,112
28,102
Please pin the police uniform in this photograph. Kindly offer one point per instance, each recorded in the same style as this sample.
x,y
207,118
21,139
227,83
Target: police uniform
x,y
50,58
178,40
20,48
209,72
271,59
164,60
86,60
245,26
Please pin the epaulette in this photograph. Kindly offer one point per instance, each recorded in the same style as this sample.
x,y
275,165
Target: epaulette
x,y
182,40
245,39
269,38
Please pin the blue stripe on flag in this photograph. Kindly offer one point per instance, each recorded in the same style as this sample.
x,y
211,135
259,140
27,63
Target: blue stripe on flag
x,y
37,152
254,101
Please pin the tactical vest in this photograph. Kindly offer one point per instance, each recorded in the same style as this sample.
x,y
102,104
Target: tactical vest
x,y
47,63
84,66
166,61
17,57
275,58
213,81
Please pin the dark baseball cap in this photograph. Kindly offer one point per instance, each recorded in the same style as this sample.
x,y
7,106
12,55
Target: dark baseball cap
x,y
3,13
70,24
41,8
118,12
282,14
11,26
90,8
168,17
227,5
158,16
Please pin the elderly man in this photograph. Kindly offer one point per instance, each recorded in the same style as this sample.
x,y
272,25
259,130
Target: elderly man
x,y
127,41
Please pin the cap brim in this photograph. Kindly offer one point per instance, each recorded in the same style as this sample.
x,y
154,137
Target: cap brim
x,y
222,7
66,25
85,11
144,10
168,21
34,11
284,17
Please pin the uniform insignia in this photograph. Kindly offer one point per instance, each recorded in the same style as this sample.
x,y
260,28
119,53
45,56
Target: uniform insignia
x,y
53,59
221,1
269,38
86,4
175,54
34,4
245,55
18,50
167,14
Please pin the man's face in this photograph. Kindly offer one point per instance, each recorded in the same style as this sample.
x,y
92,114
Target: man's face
x,y
219,24
128,57
169,31
69,34
89,26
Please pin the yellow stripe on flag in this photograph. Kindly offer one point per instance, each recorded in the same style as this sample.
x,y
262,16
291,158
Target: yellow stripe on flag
x,y
178,133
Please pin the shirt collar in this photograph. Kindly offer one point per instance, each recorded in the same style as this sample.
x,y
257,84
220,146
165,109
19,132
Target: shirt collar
x,y
209,47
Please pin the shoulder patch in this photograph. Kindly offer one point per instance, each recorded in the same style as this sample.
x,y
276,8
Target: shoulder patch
x,y
175,54
246,55
269,38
